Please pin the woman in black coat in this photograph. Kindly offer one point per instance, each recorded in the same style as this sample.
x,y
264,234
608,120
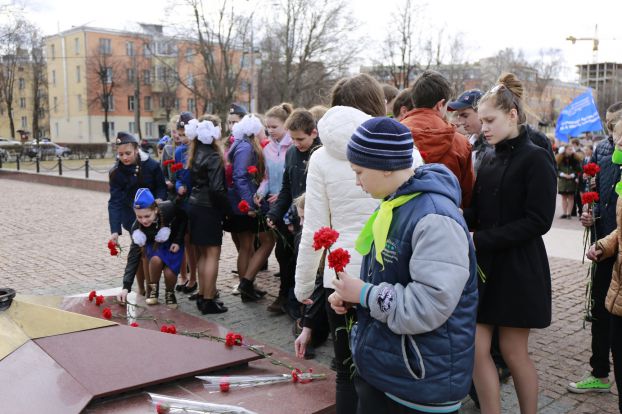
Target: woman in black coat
x,y
513,206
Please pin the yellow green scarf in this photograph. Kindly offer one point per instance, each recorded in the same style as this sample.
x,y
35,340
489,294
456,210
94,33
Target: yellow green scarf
x,y
377,227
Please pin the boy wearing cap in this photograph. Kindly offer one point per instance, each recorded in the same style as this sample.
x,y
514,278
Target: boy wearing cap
x,y
413,345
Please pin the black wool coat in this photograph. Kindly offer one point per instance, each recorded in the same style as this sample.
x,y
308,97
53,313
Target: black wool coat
x,y
513,207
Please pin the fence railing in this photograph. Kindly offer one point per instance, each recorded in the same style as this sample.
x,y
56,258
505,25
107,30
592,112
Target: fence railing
x,y
58,166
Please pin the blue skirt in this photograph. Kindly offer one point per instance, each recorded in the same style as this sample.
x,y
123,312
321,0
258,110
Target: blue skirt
x,y
170,260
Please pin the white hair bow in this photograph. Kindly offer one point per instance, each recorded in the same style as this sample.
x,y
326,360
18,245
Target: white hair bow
x,y
249,125
190,129
207,132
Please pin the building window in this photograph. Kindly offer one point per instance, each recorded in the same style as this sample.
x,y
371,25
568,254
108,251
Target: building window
x,y
76,45
110,101
177,104
190,105
22,103
147,50
190,80
55,104
78,76
130,103
132,127
52,51
105,47
54,77
146,77
24,122
189,55
79,102
131,75
108,75
129,47
149,129
160,73
56,134
22,83
148,103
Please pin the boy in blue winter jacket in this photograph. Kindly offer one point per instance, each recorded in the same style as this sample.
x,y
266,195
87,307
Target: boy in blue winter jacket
x,y
416,298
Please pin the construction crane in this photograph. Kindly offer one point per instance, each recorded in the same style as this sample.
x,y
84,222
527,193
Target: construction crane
x,y
595,42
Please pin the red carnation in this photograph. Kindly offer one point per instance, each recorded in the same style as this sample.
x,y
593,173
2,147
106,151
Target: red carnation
x,y
112,244
244,207
168,162
324,238
92,295
231,139
162,409
99,300
589,198
264,143
224,386
338,259
591,169
176,167
134,325
171,329
114,252
252,169
107,313
230,339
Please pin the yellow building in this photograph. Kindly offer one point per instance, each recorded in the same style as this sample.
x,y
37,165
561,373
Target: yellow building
x,y
23,105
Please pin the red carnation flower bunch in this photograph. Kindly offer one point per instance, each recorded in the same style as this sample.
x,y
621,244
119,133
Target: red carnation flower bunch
x,y
264,143
591,169
176,167
114,247
99,299
325,238
252,170
233,339
168,329
589,198
244,207
107,313
134,325
168,162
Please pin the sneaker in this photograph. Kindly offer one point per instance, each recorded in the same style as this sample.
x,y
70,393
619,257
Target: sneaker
x,y
235,291
171,300
152,294
589,384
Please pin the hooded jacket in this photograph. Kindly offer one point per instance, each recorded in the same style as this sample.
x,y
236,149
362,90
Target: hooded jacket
x,y
415,335
441,143
333,199
274,156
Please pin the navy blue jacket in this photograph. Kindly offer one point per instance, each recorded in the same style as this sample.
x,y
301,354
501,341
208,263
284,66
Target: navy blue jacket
x,y
606,179
124,182
423,353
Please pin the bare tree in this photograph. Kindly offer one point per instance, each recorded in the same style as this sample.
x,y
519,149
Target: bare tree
x,y
307,46
39,80
12,54
104,71
548,65
506,60
223,35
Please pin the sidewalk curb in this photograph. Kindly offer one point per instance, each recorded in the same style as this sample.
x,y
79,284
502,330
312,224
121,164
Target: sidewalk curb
x,y
78,183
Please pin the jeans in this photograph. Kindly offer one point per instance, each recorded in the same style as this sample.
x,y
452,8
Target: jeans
x,y
599,360
374,401
346,400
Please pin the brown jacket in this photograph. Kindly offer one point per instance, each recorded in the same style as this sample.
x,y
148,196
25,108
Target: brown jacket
x,y
439,142
612,245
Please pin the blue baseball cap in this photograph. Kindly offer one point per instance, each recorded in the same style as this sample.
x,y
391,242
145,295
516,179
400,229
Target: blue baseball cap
x,y
468,99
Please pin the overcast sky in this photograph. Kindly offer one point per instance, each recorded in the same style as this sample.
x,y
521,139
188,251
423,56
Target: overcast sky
x,y
487,25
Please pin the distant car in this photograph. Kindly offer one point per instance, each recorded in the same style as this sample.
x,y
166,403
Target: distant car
x,y
11,147
45,150
149,145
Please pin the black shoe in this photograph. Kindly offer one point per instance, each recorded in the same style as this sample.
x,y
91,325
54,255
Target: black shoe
x,y
563,216
179,288
260,292
213,306
277,274
247,291
188,289
194,296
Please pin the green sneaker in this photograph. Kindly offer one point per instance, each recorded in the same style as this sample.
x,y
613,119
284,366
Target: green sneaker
x,y
589,384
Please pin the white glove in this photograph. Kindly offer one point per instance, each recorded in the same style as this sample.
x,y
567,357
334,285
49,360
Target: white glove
x,y
139,237
163,234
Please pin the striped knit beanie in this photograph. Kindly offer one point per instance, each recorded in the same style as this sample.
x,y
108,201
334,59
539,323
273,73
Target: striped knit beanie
x,y
381,143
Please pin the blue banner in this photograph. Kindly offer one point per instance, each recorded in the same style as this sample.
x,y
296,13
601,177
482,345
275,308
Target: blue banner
x,y
581,115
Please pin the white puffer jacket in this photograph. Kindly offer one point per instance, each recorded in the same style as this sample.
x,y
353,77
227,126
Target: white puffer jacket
x,y
333,199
